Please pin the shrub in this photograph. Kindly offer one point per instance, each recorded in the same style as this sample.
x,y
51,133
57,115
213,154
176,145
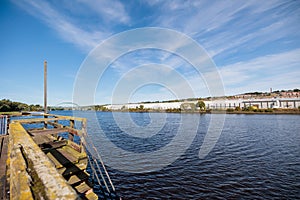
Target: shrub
x,y
250,108
238,108
269,110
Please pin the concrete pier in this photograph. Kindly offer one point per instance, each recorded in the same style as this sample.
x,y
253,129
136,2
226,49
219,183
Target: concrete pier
x,y
36,163
31,173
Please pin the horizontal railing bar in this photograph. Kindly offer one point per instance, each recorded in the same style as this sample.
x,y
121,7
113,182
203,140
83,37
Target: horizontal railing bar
x,y
37,120
69,129
48,131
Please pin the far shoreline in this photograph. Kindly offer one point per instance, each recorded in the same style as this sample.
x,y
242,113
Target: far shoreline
x,y
228,111
256,112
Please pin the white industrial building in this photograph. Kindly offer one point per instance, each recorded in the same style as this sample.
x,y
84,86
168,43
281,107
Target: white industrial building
x,y
218,104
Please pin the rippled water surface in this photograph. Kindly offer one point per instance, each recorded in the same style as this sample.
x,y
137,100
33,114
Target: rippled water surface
x,y
256,156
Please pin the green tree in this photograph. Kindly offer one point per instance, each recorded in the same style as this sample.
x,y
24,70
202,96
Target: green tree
x,y
5,108
7,105
36,107
200,104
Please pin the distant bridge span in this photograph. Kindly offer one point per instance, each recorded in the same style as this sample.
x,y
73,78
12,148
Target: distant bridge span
x,y
68,103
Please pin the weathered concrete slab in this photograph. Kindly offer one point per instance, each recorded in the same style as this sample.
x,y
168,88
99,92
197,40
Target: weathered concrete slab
x,y
31,173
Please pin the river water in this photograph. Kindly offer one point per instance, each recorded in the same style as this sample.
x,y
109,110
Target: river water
x,y
255,157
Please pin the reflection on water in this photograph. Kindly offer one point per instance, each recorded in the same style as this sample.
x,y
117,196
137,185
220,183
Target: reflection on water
x,y
256,157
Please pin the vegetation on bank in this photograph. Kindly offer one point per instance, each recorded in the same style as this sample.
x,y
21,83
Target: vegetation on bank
x,y
10,106
200,107
253,110
10,113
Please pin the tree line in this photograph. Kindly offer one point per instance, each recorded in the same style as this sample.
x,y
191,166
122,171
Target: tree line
x,y
7,105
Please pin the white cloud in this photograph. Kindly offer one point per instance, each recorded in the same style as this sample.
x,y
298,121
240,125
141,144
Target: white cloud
x,y
68,28
276,70
108,10
223,27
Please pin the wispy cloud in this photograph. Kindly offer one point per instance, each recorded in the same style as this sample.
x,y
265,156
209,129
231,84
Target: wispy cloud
x,y
255,44
227,27
275,70
111,11
76,31
223,28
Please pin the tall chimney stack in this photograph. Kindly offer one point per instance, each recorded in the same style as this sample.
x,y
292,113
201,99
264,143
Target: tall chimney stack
x,y
45,87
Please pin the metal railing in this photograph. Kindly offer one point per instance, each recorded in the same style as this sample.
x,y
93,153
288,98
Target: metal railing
x,y
3,124
99,171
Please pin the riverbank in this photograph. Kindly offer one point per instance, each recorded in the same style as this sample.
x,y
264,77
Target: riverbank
x,y
11,113
274,111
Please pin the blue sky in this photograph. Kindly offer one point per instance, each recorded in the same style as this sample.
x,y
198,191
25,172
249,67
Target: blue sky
x,y
255,45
